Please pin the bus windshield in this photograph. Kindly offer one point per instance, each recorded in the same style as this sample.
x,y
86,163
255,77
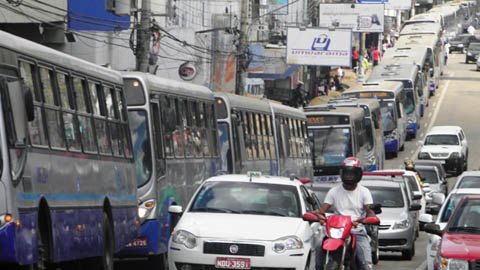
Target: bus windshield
x,y
388,116
331,145
141,145
409,102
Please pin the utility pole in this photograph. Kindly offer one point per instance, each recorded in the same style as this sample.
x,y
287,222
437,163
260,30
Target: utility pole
x,y
242,48
143,37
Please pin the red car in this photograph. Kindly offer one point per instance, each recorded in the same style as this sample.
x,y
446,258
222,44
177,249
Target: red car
x,y
460,244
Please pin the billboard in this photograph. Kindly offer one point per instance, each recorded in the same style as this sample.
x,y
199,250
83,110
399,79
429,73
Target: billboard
x,y
277,7
390,4
360,17
319,47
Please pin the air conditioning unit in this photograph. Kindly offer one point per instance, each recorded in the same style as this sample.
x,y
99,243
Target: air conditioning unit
x,y
121,7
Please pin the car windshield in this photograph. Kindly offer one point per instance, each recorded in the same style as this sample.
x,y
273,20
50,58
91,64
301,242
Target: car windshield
x,y
469,182
474,46
388,116
387,197
428,176
466,218
321,194
412,183
330,145
247,198
449,207
441,140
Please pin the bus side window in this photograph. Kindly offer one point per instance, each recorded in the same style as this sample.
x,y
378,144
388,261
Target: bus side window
x,y
203,128
37,131
84,120
179,133
70,122
212,133
99,114
158,137
258,134
265,139
271,140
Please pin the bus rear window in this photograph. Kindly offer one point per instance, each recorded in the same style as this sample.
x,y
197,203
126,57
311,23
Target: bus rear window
x,y
220,108
134,94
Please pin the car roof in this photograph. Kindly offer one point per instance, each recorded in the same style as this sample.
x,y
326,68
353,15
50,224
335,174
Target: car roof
x,y
376,183
469,173
444,130
254,179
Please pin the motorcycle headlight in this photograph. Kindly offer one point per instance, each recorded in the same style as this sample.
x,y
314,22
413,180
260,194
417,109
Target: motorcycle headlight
x,y
452,264
185,238
336,233
287,243
401,225
423,155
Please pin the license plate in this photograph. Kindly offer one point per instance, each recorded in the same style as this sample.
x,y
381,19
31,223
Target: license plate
x,y
232,263
138,242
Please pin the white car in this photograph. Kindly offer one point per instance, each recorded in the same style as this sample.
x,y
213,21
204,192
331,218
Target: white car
x,y
447,144
442,219
244,222
468,179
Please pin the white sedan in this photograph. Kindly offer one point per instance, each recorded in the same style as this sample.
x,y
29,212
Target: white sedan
x,y
243,222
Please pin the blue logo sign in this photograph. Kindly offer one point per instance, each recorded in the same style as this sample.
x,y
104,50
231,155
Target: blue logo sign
x,y
321,43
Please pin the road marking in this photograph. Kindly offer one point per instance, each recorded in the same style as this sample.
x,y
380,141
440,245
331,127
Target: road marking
x,y
423,266
435,112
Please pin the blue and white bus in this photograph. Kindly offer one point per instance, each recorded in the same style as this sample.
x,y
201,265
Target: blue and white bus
x,y
174,135
261,135
413,84
67,186
390,95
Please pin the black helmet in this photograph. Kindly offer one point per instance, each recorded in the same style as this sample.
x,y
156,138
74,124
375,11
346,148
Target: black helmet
x,y
351,170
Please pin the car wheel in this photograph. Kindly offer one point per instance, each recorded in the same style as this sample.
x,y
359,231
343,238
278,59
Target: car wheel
x,y
409,253
466,61
375,256
460,168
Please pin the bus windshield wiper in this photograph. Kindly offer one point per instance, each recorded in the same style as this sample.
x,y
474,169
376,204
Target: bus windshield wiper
x,y
213,209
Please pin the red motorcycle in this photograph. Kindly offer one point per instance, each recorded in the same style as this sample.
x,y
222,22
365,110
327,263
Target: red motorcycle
x,y
339,244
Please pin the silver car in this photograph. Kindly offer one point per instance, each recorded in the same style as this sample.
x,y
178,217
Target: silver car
x,y
398,226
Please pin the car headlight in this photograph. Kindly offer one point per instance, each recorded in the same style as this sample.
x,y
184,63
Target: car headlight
x,y
336,233
145,209
435,244
455,155
287,243
460,45
469,54
401,225
423,155
185,238
452,264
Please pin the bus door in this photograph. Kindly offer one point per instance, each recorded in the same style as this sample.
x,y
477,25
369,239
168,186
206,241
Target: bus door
x,y
412,108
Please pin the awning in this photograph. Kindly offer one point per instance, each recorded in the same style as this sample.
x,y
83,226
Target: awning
x,y
275,76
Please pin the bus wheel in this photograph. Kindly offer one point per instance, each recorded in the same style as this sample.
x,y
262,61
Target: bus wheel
x,y
43,240
108,244
158,261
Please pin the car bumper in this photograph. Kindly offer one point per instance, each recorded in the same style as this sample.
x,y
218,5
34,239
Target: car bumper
x,y
395,240
182,258
472,58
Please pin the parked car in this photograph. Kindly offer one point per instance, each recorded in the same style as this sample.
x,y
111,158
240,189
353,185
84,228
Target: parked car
x,y
461,42
472,52
443,216
468,179
458,248
447,144
244,222
397,225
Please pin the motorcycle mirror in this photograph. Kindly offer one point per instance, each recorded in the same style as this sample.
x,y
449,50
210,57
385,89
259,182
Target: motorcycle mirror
x,y
310,217
371,220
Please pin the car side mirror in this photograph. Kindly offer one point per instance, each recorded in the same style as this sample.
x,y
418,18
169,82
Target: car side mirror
x,y
175,209
425,218
376,208
417,196
434,210
438,198
415,207
433,229
310,217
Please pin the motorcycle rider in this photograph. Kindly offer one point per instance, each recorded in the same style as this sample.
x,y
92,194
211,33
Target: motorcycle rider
x,y
352,199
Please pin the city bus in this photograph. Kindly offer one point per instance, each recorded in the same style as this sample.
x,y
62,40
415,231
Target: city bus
x,y
374,124
67,186
336,133
174,136
412,87
261,135
390,95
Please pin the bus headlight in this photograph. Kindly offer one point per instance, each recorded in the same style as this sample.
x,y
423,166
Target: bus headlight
x,y
145,209
5,219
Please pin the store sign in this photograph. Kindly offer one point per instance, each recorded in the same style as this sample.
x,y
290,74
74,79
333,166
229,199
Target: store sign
x,y
319,47
390,4
359,17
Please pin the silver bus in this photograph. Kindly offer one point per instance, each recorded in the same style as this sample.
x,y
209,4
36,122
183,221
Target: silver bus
x,y
412,81
336,133
174,136
67,186
261,135
391,95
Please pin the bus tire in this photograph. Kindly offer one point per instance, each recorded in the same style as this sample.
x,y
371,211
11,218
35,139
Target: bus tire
x,y
105,262
44,239
158,261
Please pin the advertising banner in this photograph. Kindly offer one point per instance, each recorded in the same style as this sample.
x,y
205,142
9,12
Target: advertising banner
x,y
360,17
319,47
390,4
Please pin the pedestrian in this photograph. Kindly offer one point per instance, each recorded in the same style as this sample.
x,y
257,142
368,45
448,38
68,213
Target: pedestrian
x,y
365,65
376,56
340,72
354,59
447,51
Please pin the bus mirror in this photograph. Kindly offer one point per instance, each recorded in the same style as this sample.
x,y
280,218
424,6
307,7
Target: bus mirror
x,y
19,112
431,72
29,104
